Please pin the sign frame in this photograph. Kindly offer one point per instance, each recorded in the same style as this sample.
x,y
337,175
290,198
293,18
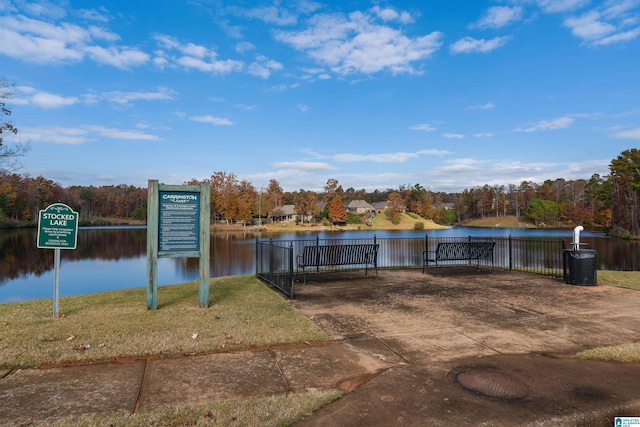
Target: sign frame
x,y
54,222
183,223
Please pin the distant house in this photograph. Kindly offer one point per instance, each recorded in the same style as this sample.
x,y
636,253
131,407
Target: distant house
x,y
379,207
283,213
359,207
447,206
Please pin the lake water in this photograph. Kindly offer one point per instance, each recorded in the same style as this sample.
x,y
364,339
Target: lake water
x,y
109,258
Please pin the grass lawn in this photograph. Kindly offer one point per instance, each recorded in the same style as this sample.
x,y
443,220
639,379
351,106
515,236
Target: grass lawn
x,y
117,324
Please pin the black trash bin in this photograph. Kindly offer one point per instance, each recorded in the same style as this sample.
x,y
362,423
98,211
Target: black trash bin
x,y
579,267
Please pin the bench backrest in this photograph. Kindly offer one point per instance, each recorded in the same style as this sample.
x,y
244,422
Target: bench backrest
x,y
340,254
465,250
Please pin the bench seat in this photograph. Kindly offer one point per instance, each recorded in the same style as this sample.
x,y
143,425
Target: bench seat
x,y
335,255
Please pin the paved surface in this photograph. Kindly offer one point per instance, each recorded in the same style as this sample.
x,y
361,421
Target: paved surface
x,y
465,348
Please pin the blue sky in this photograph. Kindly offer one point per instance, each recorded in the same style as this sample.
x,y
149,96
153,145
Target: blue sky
x,y
376,94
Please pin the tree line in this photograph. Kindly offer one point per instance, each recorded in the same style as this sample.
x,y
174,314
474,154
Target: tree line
x,y
609,202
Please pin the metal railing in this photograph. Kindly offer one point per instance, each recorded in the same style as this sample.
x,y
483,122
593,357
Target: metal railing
x,y
274,264
275,258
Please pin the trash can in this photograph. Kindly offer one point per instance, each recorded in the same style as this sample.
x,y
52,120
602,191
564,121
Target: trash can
x,y
579,267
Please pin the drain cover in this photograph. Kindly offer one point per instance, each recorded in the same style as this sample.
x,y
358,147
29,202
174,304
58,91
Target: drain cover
x,y
491,383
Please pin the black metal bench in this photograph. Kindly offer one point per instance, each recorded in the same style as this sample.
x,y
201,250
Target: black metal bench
x,y
459,251
335,255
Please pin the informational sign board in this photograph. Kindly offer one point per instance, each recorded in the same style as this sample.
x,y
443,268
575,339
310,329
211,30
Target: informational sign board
x,y
57,227
178,226
179,221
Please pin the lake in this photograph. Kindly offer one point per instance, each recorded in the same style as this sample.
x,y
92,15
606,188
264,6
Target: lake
x,y
109,258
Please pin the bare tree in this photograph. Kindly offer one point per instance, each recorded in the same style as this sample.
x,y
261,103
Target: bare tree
x,y
8,154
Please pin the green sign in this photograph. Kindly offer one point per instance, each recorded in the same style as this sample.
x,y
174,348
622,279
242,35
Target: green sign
x,y
57,227
179,221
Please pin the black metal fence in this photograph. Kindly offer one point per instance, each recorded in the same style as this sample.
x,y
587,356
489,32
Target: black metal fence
x,y
275,259
274,264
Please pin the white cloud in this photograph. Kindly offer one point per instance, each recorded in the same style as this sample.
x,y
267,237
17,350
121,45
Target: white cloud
x,y
56,135
390,14
304,166
589,26
628,134
487,106
618,38
124,98
41,42
435,152
42,99
426,127
483,135
559,123
378,158
303,108
192,56
129,134
469,44
243,47
269,14
82,134
358,43
263,67
613,22
557,6
499,16
218,121
453,135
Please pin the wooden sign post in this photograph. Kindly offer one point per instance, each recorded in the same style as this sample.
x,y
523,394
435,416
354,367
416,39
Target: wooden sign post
x,y
178,227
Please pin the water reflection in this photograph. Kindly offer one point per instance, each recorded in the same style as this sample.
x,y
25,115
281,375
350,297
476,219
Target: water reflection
x,y
108,258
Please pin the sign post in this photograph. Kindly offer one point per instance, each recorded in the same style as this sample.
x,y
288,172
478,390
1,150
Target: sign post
x,y
57,229
178,226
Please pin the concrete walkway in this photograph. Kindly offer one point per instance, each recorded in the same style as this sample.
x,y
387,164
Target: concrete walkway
x,y
411,349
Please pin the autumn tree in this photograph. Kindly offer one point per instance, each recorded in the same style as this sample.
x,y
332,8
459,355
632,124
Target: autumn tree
x,y
274,198
337,211
395,206
625,177
331,189
306,204
222,194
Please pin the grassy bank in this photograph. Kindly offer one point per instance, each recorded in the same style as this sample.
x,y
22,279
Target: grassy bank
x,y
117,324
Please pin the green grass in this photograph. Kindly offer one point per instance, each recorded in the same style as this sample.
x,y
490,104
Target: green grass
x,y
117,324
618,353
621,279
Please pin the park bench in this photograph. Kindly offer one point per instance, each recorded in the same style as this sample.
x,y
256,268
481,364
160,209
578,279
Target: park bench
x,y
459,251
336,255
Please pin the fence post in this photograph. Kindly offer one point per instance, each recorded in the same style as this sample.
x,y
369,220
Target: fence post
x,y
257,254
510,255
271,259
291,270
317,253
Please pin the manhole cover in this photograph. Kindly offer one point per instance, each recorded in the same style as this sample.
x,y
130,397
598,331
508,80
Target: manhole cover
x,y
492,384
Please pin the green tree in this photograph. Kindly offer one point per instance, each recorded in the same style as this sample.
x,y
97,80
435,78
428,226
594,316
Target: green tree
x,y
625,176
543,211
